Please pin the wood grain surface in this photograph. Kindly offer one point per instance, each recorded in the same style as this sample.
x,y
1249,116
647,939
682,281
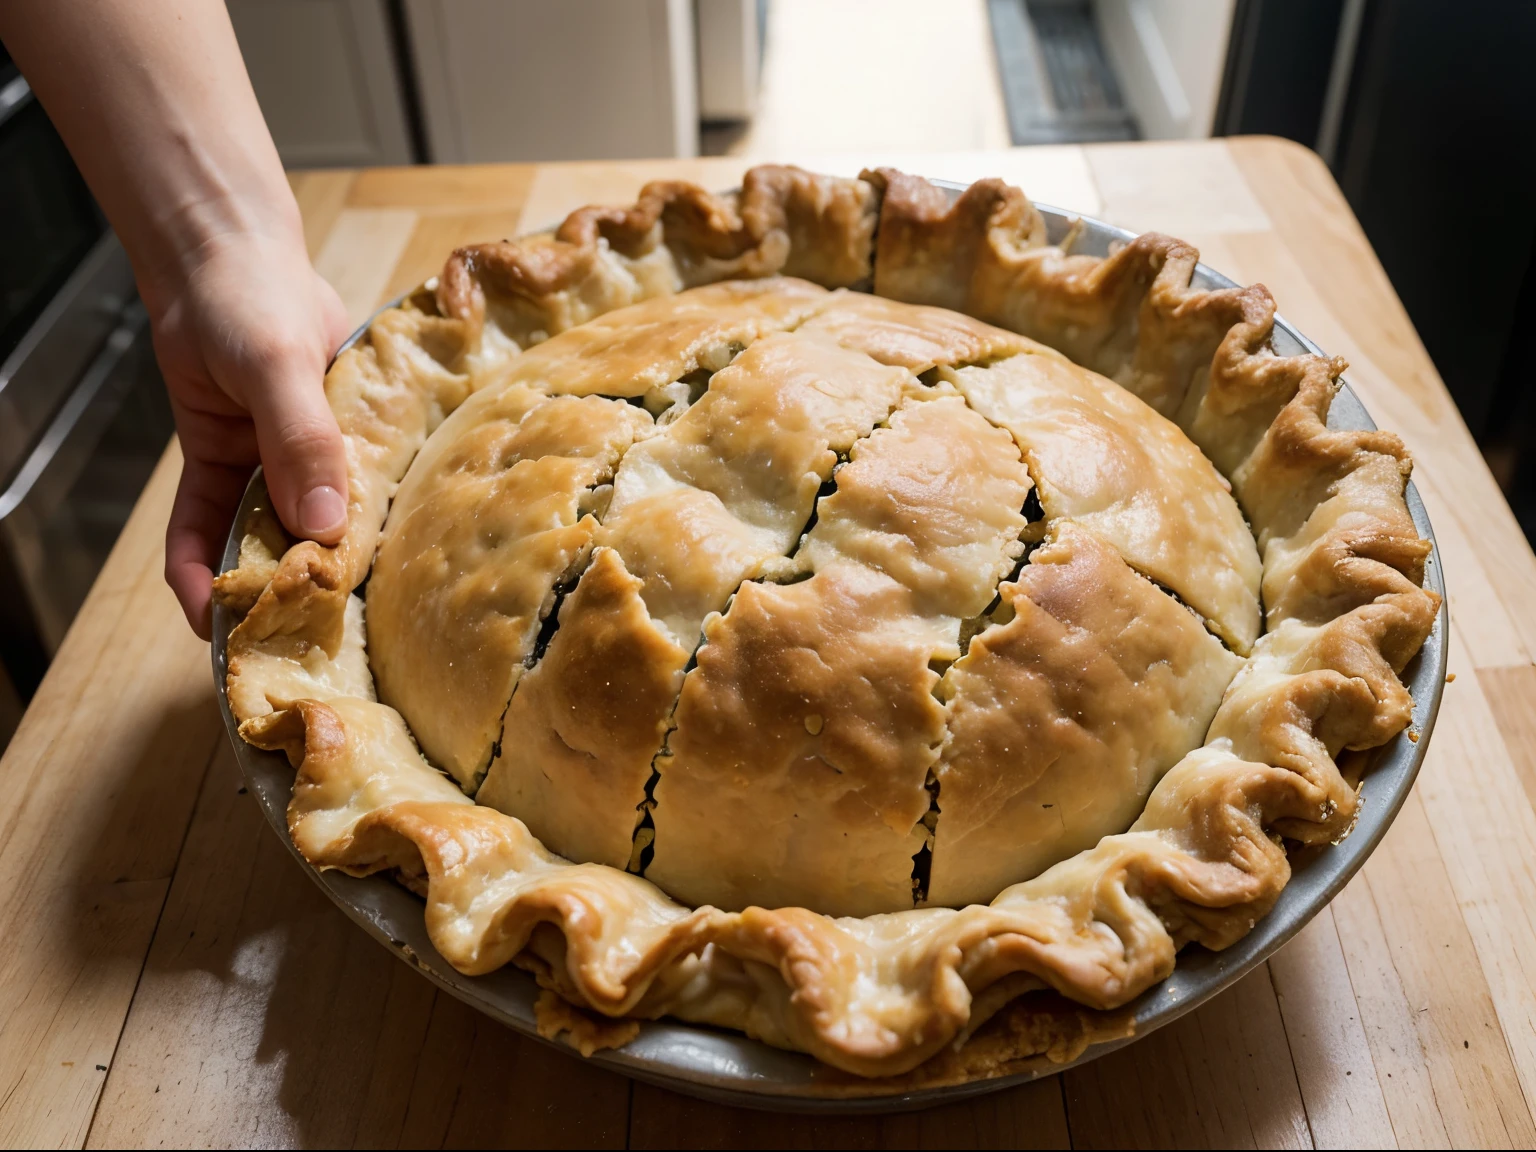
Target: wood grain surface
x,y
171,976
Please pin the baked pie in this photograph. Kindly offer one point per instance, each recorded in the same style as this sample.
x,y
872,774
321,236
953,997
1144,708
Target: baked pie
x,y
832,612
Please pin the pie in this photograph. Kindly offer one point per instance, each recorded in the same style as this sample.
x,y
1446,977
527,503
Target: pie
x,y
832,612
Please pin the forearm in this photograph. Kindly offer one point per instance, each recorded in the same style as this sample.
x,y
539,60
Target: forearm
x,y
152,99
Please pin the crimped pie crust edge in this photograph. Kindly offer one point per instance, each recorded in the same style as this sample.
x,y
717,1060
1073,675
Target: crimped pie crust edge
x,y
1345,611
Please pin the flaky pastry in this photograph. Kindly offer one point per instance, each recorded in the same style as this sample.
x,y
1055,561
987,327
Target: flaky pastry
x,y
830,611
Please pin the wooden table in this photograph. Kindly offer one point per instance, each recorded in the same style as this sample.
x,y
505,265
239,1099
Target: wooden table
x,y
171,977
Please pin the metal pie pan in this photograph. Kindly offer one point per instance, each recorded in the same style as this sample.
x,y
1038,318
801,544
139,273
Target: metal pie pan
x,y
730,1068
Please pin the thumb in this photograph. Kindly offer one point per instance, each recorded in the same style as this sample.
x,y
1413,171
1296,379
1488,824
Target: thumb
x,y
302,451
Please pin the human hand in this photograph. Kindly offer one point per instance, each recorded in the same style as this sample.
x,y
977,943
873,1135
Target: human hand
x,y
243,331
156,108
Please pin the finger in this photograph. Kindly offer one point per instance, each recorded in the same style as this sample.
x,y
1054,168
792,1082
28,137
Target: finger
x,y
337,326
206,499
301,447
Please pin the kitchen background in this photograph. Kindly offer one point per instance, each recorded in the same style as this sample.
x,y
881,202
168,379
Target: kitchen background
x,y
1424,109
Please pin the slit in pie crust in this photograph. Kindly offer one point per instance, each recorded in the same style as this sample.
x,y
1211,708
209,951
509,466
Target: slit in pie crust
x,y
831,612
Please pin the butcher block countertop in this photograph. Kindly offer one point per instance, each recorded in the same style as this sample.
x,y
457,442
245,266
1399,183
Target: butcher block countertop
x,y
171,977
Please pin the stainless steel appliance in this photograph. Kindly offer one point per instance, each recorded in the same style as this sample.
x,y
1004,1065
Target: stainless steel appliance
x,y
83,412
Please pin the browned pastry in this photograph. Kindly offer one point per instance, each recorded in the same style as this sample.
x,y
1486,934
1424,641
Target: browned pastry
x,y
833,666
916,338
1062,718
1108,462
647,349
784,221
716,497
479,535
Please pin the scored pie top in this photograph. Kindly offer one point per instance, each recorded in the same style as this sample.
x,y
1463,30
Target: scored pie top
x,y
1020,598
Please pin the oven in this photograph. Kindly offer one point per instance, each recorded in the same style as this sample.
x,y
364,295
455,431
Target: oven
x,y
83,411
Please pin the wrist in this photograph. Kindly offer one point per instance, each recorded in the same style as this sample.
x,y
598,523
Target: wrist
x,y
185,236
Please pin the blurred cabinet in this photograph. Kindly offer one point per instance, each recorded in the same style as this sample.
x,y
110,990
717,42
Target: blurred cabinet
x,y
1169,56
555,79
329,79
730,56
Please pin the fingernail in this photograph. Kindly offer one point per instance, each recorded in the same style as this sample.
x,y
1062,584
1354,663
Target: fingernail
x,y
322,511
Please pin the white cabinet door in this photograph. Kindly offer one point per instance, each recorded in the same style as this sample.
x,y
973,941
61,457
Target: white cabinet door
x,y
1169,55
729,53
555,79
325,74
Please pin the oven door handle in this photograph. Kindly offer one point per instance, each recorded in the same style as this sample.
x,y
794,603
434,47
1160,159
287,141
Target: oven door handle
x,y
103,371
15,95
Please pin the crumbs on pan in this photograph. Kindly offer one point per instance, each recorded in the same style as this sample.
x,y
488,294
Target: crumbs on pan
x,y
584,1032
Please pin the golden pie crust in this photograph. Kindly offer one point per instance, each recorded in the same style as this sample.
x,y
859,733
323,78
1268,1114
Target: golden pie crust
x,y
932,615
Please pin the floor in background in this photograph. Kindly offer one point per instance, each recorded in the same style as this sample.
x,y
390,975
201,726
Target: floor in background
x,y
874,75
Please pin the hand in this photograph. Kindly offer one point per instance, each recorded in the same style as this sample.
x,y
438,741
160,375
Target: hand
x,y
155,106
243,334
